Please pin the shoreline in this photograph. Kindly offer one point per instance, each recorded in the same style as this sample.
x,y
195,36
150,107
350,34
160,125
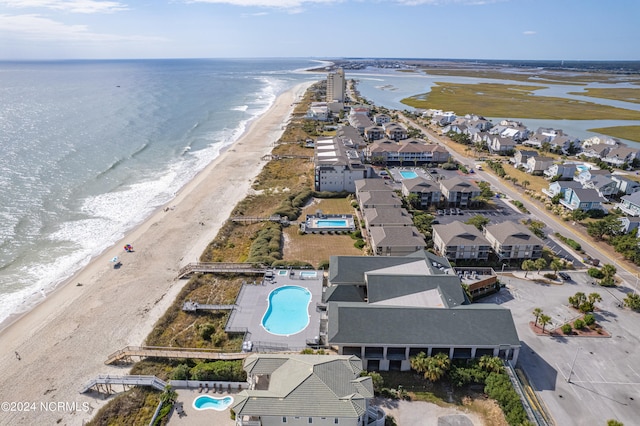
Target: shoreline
x,y
63,341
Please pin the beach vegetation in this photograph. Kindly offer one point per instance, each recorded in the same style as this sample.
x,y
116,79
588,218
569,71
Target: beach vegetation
x,y
134,407
228,371
266,247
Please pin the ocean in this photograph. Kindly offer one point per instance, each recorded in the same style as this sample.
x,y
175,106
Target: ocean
x,y
89,149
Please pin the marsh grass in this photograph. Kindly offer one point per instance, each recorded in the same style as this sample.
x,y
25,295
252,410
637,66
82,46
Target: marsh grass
x,y
516,101
631,133
627,94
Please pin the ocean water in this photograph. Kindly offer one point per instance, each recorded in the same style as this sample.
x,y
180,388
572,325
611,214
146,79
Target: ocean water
x,y
89,149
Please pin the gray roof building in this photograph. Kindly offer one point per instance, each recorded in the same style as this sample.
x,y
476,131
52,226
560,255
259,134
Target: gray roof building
x,y
396,240
308,386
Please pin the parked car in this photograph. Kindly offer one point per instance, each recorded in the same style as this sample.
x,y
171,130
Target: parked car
x,y
439,212
453,212
458,211
565,276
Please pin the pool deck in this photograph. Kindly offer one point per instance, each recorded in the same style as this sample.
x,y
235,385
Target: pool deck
x,y
200,417
253,302
396,176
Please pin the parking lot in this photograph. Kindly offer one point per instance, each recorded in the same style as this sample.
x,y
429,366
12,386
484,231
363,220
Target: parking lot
x,y
604,372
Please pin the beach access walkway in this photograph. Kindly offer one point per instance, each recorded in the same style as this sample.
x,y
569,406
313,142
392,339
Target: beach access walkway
x,y
126,355
104,383
221,268
191,306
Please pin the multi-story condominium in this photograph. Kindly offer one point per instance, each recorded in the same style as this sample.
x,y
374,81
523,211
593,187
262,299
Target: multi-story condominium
x,y
396,240
336,86
428,191
407,152
425,310
459,192
513,241
458,240
337,167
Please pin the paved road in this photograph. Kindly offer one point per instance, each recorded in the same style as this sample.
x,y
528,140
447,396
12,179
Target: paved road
x,y
629,276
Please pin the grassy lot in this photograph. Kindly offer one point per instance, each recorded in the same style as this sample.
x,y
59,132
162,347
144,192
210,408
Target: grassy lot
x,y
631,133
516,101
617,94
532,76
536,183
316,248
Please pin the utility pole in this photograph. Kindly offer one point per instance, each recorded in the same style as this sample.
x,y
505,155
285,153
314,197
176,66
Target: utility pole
x,y
572,364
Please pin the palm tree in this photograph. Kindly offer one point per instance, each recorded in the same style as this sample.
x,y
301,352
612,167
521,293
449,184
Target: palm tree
x,y
537,312
169,395
525,183
540,263
433,367
556,265
608,270
528,265
491,364
544,320
594,297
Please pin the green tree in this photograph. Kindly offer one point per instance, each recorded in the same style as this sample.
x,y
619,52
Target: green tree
x,y
376,379
613,422
577,299
169,395
433,368
556,264
528,265
413,200
536,313
566,328
544,320
540,264
608,270
632,301
478,221
578,324
491,364
578,215
525,183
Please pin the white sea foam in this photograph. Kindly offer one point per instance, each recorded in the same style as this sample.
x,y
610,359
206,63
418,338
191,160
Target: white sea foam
x,y
241,108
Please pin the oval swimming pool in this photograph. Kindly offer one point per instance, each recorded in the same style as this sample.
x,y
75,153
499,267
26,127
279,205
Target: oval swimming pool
x,y
205,402
287,312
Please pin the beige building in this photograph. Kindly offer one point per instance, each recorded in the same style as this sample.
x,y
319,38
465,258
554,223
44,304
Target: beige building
x,y
510,240
458,240
396,240
336,86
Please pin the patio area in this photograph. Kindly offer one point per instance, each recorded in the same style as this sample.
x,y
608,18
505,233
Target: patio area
x,y
252,304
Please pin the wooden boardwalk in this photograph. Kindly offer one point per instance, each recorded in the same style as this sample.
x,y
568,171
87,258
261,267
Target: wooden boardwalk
x,y
221,268
254,219
127,354
190,306
104,383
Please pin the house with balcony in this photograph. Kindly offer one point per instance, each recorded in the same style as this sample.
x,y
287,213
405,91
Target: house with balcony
x,y
395,131
382,119
620,156
521,156
458,240
360,122
584,176
386,310
428,191
500,145
511,129
583,199
560,187
596,151
536,165
626,185
564,171
371,184
513,241
458,192
605,185
297,389
396,240
630,224
630,204
373,133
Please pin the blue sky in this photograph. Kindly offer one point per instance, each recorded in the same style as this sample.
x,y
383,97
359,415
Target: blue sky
x,y
464,29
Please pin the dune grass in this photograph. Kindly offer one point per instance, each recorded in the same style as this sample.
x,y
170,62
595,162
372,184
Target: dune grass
x,y
516,101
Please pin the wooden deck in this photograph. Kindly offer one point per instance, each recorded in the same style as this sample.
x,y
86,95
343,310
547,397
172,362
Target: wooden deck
x,y
190,306
127,354
221,268
104,383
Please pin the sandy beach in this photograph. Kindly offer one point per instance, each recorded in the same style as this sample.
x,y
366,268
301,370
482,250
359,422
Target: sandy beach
x,y
50,353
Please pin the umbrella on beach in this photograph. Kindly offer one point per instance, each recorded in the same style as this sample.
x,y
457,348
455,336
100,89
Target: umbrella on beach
x,y
115,259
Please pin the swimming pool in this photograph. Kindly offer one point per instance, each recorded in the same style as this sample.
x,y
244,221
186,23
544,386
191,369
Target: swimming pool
x,y
308,274
283,272
582,167
207,402
331,223
287,312
408,174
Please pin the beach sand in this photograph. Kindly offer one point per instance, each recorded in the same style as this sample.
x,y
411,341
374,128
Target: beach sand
x,y
63,342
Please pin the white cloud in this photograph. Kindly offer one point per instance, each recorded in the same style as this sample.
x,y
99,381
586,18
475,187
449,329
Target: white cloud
x,y
72,6
529,32
281,4
36,27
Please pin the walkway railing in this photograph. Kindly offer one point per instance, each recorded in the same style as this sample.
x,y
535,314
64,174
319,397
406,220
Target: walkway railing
x,y
127,353
104,382
221,268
